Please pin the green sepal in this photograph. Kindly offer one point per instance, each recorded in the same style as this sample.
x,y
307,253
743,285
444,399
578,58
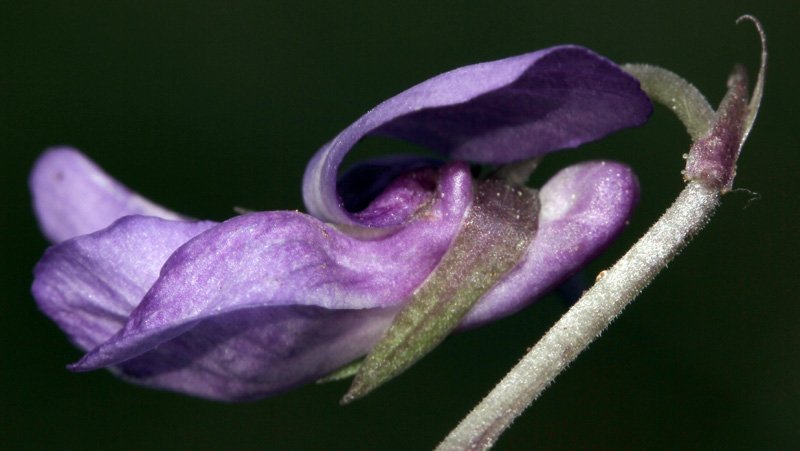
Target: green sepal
x,y
342,373
717,136
497,230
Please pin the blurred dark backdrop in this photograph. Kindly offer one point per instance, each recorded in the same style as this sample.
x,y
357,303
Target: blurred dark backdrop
x,y
203,106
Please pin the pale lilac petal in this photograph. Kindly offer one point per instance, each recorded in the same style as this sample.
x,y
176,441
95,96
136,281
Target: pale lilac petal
x,y
72,196
311,284
89,285
496,112
584,207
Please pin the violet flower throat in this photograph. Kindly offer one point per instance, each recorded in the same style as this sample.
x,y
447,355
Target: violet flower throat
x,y
394,254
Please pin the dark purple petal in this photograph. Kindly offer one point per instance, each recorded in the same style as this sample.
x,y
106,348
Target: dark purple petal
x,y
256,352
285,265
89,285
365,181
584,207
496,112
72,196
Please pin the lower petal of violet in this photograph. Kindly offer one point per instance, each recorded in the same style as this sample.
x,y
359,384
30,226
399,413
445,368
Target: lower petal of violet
x,y
299,271
89,285
256,352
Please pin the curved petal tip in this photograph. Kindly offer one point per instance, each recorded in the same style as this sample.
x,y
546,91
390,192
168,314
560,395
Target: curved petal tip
x,y
496,112
73,196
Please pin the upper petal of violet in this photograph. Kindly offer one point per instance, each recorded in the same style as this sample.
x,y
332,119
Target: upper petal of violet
x,y
496,112
72,196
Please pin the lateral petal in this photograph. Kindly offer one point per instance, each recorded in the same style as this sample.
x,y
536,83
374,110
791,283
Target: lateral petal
x,y
584,207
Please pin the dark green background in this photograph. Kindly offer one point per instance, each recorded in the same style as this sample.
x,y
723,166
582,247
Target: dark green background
x,y
203,106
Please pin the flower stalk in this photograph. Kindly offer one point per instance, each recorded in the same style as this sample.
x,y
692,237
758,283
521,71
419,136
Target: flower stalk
x,y
717,140
585,321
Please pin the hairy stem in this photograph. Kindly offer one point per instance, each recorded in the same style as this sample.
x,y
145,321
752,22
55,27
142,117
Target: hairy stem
x,y
586,320
717,140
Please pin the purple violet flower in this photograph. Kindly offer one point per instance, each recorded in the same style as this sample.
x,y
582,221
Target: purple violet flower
x,y
267,301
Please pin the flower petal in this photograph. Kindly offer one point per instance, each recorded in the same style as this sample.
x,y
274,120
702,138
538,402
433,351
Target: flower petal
x,y
256,352
363,183
584,207
89,285
496,112
289,266
72,196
